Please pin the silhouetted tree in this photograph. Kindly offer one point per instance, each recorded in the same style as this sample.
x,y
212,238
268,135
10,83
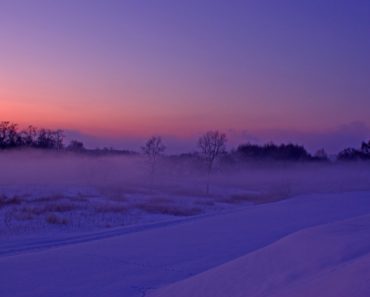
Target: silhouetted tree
x,y
44,139
153,148
58,136
9,136
211,145
351,154
48,139
365,147
5,128
76,146
29,136
3,133
271,151
321,155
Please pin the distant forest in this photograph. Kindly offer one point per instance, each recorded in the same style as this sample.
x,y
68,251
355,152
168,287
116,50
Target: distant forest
x,y
11,137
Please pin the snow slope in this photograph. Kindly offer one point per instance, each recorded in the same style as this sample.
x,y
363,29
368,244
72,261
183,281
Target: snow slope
x,y
329,260
130,263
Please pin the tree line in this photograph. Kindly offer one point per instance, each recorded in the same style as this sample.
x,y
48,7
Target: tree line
x,y
211,145
12,137
352,154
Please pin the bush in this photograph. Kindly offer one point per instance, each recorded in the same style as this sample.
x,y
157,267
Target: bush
x,y
55,220
5,201
174,210
271,151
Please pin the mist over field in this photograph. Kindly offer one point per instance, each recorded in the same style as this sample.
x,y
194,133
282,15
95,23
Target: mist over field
x,y
190,226
55,169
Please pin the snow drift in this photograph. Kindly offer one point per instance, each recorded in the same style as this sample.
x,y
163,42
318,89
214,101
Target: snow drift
x,y
329,260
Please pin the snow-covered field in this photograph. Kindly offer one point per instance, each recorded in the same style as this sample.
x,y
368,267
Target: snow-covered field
x,y
97,227
136,261
331,260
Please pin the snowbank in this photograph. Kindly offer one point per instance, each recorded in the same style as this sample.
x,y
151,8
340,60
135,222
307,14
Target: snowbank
x,y
329,260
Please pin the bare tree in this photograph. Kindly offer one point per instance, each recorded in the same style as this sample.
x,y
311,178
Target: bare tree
x,y
9,136
76,146
29,136
153,148
58,136
321,155
365,148
211,145
49,139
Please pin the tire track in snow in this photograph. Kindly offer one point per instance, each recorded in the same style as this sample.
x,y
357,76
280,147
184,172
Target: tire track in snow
x,y
38,244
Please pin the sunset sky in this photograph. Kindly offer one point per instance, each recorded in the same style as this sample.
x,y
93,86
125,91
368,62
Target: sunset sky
x,y
259,70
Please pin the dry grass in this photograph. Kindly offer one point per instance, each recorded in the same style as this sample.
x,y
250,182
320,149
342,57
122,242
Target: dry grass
x,y
51,198
23,215
110,208
7,201
56,220
205,202
161,200
184,192
61,207
257,198
160,208
32,211
241,198
81,197
114,193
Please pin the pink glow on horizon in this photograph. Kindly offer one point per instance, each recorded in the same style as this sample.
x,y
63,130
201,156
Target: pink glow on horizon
x,y
104,120
127,70
113,121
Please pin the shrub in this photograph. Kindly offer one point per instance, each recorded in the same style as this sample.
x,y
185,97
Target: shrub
x,y
5,201
55,220
174,210
110,208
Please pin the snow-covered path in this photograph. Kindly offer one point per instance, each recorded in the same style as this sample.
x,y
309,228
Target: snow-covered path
x,y
129,264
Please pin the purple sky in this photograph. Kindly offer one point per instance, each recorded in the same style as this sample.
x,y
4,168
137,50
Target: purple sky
x,y
122,70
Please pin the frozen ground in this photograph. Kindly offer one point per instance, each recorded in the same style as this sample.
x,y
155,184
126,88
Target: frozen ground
x,y
254,250
48,194
46,211
330,260
87,226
